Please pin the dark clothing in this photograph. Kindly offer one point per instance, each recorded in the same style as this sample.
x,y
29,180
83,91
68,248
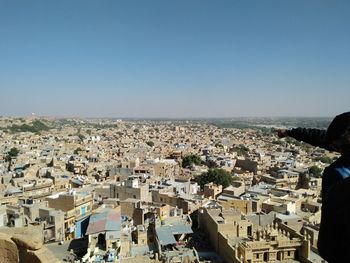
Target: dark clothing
x,y
334,238
315,137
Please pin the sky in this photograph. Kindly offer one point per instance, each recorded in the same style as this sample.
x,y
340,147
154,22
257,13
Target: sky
x,y
174,59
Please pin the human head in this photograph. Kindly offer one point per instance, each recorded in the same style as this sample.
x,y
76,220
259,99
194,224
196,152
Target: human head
x,y
338,132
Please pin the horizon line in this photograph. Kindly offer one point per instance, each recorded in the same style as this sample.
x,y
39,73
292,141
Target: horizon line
x,y
159,117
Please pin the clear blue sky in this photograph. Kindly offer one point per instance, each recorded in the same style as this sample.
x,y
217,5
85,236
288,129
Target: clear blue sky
x,y
183,58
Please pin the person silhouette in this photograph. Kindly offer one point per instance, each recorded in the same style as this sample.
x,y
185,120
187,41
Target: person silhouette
x,y
334,235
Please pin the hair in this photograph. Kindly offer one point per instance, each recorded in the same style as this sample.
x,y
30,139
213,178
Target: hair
x,y
343,142
339,127
338,133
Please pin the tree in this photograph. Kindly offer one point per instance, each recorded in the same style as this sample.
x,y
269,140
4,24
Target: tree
x,y
240,150
324,159
293,141
77,150
35,126
217,176
150,143
211,164
13,153
219,145
278,142
189,160
315,171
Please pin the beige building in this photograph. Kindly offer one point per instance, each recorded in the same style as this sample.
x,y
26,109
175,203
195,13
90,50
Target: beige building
x,y
131,188
212,190
239,240
77,208
53,224
34,188
244,206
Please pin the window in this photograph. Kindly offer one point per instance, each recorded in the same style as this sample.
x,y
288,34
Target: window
x,y
249,230
266,256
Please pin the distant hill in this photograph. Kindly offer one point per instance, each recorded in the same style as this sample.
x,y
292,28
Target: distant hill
x,y
35,126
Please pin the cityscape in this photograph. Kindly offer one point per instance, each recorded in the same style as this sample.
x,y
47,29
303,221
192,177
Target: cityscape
x,y
183,131
113,190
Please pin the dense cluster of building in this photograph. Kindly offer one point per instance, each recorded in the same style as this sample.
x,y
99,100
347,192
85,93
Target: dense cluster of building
x,y
110,191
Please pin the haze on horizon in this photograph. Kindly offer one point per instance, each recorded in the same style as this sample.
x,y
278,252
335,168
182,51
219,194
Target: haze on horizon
x,y
174,59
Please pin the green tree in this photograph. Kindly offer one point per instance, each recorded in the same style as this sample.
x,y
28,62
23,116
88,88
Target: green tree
x,y
324,159
278,142
211,164
13,153
217,176
189,160
293,141
35,126
77,150
240,150
150,143
315,171
219,145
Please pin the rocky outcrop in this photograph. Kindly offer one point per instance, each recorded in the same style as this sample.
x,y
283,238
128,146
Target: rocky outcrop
x,y
31,241
42,255
8,249
24,245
